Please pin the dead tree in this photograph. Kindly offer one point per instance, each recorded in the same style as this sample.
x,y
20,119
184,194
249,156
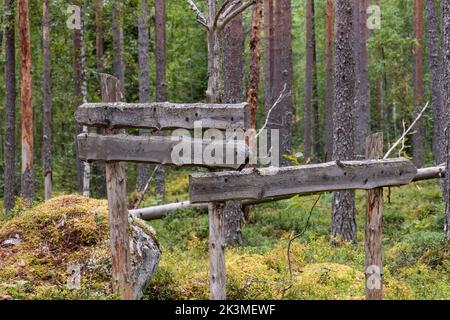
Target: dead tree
x,y
214,23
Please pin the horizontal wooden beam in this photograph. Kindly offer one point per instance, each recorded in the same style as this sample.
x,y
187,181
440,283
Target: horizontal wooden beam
x,y
163,115
273,183
153,149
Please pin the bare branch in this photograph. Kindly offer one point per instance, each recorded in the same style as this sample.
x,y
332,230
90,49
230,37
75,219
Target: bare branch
x,y
145,190
406,131
219,13
282,95
230,16
200,16
230,8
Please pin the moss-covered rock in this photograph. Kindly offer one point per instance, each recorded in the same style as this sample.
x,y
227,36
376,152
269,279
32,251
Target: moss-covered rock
x,y
60,250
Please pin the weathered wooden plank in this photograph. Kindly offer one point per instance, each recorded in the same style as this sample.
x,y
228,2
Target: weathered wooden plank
x,y
158,149
217,245
273,183
373,226
117,207
163,115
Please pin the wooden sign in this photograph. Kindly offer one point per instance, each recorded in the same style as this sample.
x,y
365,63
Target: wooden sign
x,y
163,115
273,183
177,151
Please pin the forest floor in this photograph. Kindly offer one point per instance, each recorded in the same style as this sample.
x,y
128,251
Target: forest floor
x,y
416,257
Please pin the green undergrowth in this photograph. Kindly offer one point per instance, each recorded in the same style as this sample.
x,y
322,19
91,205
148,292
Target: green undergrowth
x,y
416,256
73,229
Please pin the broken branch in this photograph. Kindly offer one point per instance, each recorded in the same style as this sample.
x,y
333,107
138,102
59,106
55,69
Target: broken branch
x,y
200,16
406,131
230,16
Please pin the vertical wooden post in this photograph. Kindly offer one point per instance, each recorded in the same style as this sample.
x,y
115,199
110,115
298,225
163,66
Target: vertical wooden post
x,y
374,217
217,244
117,205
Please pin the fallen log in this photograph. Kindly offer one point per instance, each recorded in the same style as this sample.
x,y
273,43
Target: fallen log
x,y
430,173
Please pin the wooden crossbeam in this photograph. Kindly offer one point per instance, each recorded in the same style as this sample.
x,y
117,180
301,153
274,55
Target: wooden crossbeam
x,y
273,183
163,115
156,149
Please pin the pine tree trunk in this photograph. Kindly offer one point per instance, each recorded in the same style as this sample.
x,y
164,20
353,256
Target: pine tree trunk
x,y
343,216
379,104
329,80
99,171
312,143
446,96
10,105
233,92
308,80
362,90
281,116
117,36
83,168
99,35
143,170
418,136
252,93
47,114
27,182
317,149
160,34
268,54
435,63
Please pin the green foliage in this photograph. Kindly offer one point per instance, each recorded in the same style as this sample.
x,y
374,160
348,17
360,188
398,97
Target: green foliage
x,y
416,257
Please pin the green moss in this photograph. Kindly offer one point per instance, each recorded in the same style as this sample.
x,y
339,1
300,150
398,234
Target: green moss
x,y
65,230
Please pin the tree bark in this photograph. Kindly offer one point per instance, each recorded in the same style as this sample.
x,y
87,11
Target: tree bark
x,y
10,105
83,168
143,170
281,116
268,54
418,136
99,177
117,36
379,104
435,63
446,98
329,80
343,216
99,35
362,90
233,92
308,80
253,89
47,114
27,181
160,35
312,133
233,71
